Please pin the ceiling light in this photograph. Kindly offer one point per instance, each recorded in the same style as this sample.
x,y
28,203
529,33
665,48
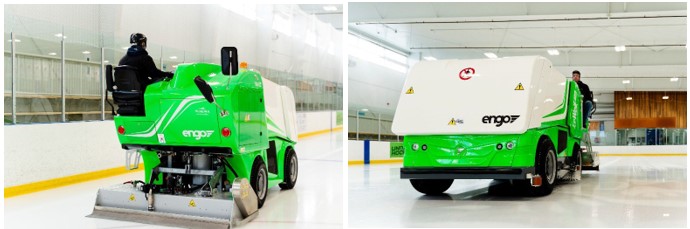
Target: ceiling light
x,y
674,79
105,61
173,57
553,52
665,97
86,52
52,54
330,8
628,98
490,55
620,48
58,35
125,48
596,100
15,40
626,81
429,58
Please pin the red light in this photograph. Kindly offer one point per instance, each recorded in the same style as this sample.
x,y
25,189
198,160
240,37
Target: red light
x,y
121,130
226,132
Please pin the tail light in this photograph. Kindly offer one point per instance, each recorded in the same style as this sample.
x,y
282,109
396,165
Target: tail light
x,y
121,130
225,132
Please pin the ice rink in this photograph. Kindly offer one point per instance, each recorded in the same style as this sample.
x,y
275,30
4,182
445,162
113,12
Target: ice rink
x,y
315,202
629,191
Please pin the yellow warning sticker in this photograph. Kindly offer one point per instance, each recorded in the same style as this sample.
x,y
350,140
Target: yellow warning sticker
x,y
192,204
131,197
519,87
410,91
452,122
247,118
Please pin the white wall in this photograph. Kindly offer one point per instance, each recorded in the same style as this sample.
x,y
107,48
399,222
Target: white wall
x,y
45,151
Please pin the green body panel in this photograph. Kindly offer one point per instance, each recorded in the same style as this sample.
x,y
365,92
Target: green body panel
x,y
480,150
177,114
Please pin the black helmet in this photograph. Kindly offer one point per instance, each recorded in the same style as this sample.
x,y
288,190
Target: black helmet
x,y
137,38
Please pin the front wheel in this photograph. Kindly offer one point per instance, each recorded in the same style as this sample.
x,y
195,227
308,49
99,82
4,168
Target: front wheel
x,y
290,170
431,187
545,166
259,180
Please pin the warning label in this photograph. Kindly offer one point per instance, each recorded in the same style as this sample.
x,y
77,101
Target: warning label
x,y
131,197
410,91
519,87
455,121
192,204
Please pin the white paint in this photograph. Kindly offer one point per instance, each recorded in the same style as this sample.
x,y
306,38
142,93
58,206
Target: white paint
x,y
355,150
382,150
472,91
40,152
280,108
315,121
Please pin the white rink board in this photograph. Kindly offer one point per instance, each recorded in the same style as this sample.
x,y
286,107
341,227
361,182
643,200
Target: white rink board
x,y
442,92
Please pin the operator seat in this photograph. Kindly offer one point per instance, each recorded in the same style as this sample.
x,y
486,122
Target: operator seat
x,y
127,91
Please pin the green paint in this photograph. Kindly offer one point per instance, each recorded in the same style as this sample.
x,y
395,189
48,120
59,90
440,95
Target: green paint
x,y
178,113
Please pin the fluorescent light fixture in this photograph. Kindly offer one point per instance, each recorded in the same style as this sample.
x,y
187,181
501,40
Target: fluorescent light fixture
x,y
490,55
429,58
665,97
674,79
52,54
626,81
86,52
58,35
125,48
330,8
364,110
173,57
106,61
15,40
596,100
620,48
553,52
628,98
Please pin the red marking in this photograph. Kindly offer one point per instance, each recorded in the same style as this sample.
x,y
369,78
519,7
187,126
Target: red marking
x,y
465,72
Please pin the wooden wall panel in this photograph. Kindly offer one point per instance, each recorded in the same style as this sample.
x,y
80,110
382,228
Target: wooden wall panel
x,y
647,109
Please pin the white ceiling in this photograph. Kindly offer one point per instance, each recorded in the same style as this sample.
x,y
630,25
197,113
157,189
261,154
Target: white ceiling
x,y
334,18
585,34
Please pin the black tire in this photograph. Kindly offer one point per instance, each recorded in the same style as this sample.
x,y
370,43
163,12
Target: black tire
x,y
259,180
545,151
290,170
431,187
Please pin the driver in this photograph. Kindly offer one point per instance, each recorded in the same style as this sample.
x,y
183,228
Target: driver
x,y
139,58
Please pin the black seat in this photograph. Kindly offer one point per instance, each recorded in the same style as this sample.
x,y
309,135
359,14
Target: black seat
x,y
126,89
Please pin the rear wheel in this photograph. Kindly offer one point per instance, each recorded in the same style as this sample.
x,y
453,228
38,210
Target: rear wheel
x,y
290,170
431,187
545,166
259,180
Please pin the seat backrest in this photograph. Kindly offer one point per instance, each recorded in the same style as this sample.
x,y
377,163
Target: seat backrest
x,y
126,78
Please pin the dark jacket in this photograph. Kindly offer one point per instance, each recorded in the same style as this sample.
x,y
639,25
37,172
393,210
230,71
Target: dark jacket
x,y
139,58
584,89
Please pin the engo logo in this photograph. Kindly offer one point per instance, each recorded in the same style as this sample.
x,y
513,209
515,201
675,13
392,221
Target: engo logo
x,y
197,134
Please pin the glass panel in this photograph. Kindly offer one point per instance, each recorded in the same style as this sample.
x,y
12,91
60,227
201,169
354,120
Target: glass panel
x,y
82,76
8,79
38,77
